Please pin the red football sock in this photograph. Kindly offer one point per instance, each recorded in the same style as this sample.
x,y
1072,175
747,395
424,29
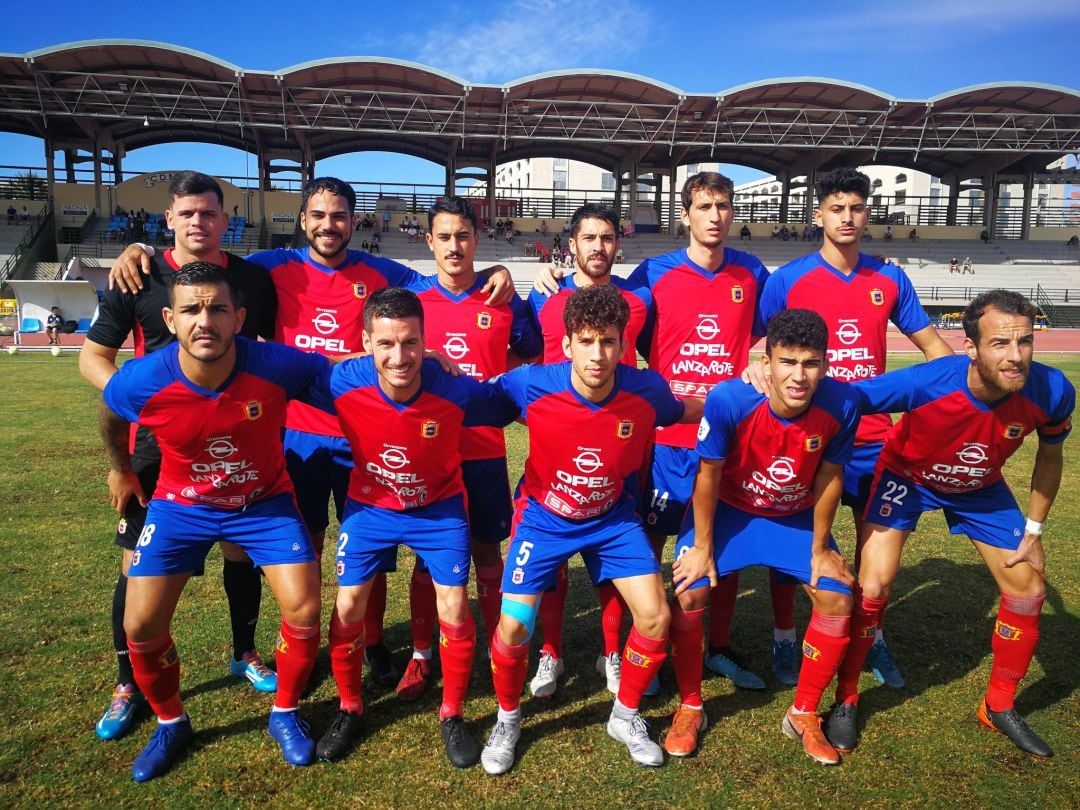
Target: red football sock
x,y
347,661
864,620
687,642
612,610
508,664
823,649
489,595
422,608
642,658
156,665
721,610
1016,632
552,608
295,658
458,646
376,611
783,603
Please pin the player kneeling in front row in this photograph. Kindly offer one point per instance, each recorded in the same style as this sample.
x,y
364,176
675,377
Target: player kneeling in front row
x,y
216,405
769,480
590,421
966,415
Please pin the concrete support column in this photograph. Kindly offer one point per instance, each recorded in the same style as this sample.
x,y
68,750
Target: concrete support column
x,y
989,184
69,164
618,192
50,168
264,183
785,193
634,172
954,197
97,179
673,207
492,218
118,166
811,180
1025,224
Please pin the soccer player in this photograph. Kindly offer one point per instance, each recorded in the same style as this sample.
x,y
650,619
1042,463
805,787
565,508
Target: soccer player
x,y
578,496
404,418
858,296
476,336
594,242
964,416
216,406
770,474
321,291
196,215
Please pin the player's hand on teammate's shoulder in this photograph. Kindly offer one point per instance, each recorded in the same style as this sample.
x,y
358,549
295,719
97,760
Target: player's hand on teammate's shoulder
x,y
829,563
547,279
448,365
499,287
1030,551
694,564
754,374
128,269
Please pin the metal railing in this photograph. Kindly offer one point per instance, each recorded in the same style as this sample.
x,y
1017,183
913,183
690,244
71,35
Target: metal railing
x,y
1038,293
37,225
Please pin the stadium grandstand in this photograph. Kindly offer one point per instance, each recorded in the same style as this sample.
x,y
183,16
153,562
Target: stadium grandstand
x,y
96,102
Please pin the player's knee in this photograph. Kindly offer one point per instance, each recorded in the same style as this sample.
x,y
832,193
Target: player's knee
x,y
833,603
351,604
452,604
694,599
516,622
654,621
875,587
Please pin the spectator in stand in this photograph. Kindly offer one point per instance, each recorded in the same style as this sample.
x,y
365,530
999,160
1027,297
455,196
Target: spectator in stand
x,y
985,236
954,265
11,212
744,232
968,266
628,230
913,235
775,232
53,324
785,234
1072,244
24,215
543,228
866,235
375,243
888,233
386,215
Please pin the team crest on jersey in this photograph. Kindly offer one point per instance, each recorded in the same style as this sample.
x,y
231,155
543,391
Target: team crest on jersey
x,y
429,429
121,527
737,294
518,576
877,297
1014,431
1007,631
340,568
885,510
136,555
813,443
810,651
483,320
359,290
253,410
625,429
632,656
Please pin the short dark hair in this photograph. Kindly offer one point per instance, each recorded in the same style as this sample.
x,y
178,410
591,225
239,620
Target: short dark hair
x,y
797,329
187,184
711,181
593,211
596,307
334,186
1007,301
842,179
194,273
392,302
458,206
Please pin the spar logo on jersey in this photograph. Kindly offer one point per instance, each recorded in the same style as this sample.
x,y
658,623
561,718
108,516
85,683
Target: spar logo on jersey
x,y
429,429
638,659
359,290
625,429
455,346
1007,631
483,320
813,443
810,651
737,294
221,447
253,410
1013,431
877,297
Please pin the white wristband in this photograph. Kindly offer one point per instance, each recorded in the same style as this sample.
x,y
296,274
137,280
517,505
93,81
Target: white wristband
x,y
1033,527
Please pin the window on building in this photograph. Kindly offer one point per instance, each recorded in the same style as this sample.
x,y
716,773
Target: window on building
x,y
901,178
875,201
607,181
876,184
558,179
692,168
900,198
935,181
559,163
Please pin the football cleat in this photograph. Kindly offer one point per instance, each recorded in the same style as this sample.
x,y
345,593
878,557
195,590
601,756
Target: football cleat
x,y
169,741
785,662
500,751
1013,725
382,664
609,667
123,704
807,727
686,725
341,736
294,737
546,679
415,680
722,661
842,728
634,734
461,748
252,668
881,663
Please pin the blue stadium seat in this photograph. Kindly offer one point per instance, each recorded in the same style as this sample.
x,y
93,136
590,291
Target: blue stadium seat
x,y
30,325
83,326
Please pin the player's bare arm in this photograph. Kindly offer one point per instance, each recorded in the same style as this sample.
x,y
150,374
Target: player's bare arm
x,y
127,272
930,343
499,286
123,483
824,562
693,409
97,363
547,280
1045,482
698,561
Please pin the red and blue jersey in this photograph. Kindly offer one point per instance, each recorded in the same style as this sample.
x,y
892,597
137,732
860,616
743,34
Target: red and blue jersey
x,y
702,324
857,308
548,312
321,309
408,454
581,453
951,442
476,336
219,448
770,462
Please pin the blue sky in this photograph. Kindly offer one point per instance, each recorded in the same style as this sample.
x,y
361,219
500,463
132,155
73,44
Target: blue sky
x,y
916,49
